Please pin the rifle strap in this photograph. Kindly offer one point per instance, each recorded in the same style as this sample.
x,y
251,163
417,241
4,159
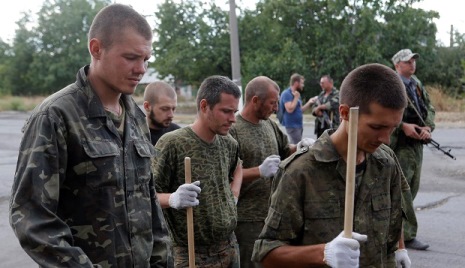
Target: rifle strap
x,y
416,111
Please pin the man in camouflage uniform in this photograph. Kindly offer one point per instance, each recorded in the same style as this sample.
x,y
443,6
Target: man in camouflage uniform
x,y
217,175
306,214
262,145
326,106
83,194
408,139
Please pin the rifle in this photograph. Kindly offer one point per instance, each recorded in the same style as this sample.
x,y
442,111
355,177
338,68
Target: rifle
x,y
325,121
437,145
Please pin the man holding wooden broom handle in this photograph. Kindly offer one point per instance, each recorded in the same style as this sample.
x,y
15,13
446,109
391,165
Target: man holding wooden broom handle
x,y
307,209
216,170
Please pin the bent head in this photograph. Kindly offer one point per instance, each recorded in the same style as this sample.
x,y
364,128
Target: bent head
x,y
380,95
217,102
160,101
261,97
120,44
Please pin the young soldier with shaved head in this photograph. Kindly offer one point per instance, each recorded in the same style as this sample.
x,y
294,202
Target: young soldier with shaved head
x,y
160,101
83,194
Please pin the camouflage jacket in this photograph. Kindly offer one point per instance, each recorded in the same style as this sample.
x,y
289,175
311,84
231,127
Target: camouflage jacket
x,y
257,142
307,207
331,116
82,195
213,164
427,112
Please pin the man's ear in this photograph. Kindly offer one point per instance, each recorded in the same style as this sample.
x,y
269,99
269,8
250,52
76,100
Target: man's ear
x,y
95,48
344,111
147,106
255,99
203,105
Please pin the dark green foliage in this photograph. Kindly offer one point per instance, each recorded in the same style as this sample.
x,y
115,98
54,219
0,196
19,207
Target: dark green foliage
x,y
276,38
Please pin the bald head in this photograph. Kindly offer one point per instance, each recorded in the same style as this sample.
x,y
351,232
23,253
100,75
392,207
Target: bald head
x,y
155,90
259,86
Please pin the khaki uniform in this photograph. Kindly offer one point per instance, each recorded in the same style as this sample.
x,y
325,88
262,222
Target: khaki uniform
x,y
307,206
213,164
256,143
410,151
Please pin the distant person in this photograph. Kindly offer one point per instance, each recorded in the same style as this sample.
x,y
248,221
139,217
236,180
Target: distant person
x,y
306,214
262,145
408,139
216,176
326,106
293,109
83,194
160,101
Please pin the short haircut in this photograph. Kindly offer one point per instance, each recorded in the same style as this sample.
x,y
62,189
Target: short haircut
x,y
212,87
373,83
328,77
154,90
295,78
113,19
259,87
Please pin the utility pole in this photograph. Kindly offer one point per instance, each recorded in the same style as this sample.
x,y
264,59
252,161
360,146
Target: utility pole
x,y
235,56
451,44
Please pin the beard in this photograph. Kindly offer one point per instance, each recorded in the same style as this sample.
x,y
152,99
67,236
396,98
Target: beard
x,y
157,124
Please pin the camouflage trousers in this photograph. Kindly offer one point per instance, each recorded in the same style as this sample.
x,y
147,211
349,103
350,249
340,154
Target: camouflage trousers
x,y
223,254
410,159
247,233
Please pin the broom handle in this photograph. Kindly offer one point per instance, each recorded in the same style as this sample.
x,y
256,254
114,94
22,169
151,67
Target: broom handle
x,y
190,216
350,172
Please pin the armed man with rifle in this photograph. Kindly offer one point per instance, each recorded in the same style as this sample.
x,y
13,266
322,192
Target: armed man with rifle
x,y
325,106
409,137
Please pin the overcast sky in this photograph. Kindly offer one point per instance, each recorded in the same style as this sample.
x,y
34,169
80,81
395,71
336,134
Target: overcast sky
x,y
449,10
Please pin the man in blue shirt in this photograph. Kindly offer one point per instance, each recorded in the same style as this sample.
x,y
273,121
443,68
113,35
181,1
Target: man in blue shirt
x,y
293,109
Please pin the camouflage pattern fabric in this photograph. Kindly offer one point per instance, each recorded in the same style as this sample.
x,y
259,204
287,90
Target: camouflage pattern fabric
x,y
213,164
410,152
222,254
247,232
307,207
332,104
256,142
82,195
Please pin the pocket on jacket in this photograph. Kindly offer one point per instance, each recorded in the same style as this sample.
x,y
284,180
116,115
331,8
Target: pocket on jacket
x,y
99,170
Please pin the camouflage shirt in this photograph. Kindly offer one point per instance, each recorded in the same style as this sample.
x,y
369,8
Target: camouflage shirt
x,y
82,195
419,105
332,110
307,206
213,164
257,142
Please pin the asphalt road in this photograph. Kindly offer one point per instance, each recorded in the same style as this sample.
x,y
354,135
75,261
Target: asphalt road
x,y
440,209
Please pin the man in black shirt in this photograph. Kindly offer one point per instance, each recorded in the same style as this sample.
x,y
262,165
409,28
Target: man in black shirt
x,y
160,102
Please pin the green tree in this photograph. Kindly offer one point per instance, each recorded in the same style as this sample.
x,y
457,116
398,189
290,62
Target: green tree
x,y
5,59
192,41
23,50
61,42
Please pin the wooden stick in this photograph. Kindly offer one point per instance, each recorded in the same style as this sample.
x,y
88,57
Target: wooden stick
x,y
350,172
190,216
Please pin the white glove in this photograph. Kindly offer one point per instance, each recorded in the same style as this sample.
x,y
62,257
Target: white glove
x,y
269,167
185,196
344,252
402,259
305,142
